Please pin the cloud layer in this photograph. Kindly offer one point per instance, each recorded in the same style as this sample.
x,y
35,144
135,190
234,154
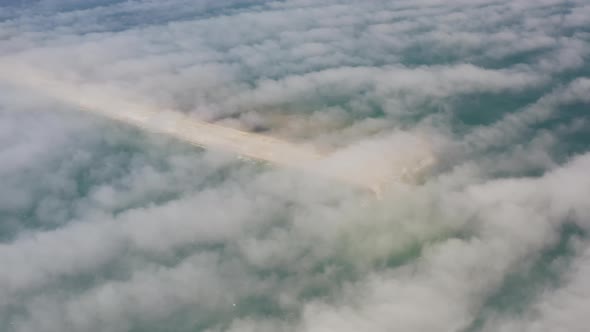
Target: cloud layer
x,y
107,228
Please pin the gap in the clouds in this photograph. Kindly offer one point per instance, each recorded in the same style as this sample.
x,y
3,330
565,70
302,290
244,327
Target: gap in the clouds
x,y
520,288
423,54
560,137
172,14
111,16
482,109
571,126
61,6
513,59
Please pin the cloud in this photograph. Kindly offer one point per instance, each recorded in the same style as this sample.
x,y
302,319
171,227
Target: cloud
x,y
519,217
106,227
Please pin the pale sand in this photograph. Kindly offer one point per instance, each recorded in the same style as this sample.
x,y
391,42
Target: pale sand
x,y
365,165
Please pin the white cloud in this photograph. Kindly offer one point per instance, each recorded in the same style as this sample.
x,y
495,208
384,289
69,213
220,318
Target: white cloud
x,y
105,228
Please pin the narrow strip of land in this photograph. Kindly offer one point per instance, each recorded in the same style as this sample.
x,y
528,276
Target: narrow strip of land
x,y
106,103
